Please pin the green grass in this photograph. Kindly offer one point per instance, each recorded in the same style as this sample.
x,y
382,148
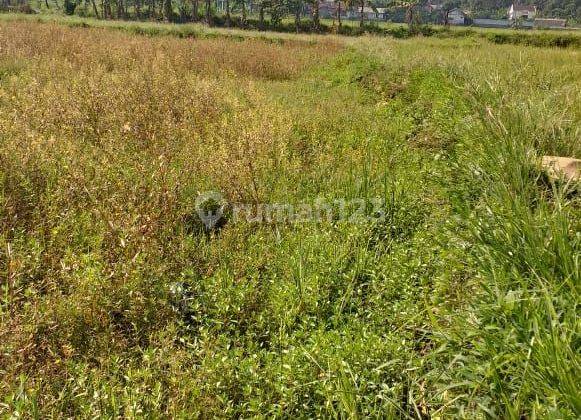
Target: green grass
x,y
461,302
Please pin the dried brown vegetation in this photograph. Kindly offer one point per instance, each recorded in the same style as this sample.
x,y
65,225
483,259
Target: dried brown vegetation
x,y
119,132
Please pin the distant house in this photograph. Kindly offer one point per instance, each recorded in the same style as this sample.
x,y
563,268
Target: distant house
x,y
456,17
550,23
518,11
369,13
382,13
372,13
327,9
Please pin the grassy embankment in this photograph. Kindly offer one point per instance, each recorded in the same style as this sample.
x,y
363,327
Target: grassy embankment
x,y
462,301
538,38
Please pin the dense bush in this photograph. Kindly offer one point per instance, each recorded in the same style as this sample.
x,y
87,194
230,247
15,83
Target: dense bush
x,y
536,39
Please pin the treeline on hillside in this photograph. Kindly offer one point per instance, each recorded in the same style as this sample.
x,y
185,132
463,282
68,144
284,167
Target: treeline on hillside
x,y
237,12
255,14
274,14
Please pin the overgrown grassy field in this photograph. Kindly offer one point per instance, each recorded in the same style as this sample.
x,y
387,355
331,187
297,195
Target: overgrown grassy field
x,y
457,297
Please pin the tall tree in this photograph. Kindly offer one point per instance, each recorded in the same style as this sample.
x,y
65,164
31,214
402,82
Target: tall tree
x,y
120,9
447,7
316,20
151,9
209,12
183,9
195,10
261,8
106,5
411,16
277,10
296,8
228,17
95,10
244,16
167,10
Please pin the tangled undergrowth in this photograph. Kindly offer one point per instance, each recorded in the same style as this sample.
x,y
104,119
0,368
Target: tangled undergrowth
x,y
116,300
